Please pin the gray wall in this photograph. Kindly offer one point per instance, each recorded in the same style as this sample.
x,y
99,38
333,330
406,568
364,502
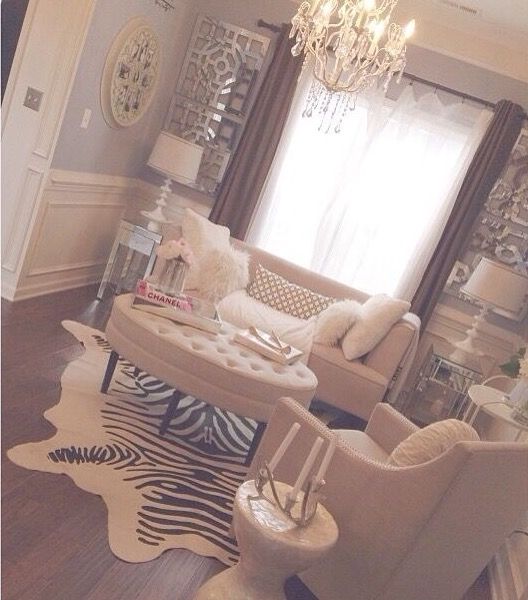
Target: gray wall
x,y
465,77
102,149
124,151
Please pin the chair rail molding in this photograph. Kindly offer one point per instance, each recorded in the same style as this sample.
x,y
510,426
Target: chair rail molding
x,y
46,59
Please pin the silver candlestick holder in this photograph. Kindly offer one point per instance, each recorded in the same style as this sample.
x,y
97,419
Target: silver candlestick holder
x,y
311,496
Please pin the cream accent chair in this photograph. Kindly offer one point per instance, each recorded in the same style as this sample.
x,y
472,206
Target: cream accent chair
x,y
405,533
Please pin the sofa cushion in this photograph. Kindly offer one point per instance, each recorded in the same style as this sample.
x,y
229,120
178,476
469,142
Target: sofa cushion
x,y
375,319
333,322
431,441
363,443
243,311
279,293
222,271
202,236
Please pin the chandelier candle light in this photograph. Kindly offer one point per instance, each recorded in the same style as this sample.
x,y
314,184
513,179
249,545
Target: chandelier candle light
x,y
353,45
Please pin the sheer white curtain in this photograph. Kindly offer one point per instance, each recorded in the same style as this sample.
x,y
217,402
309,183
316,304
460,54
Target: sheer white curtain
x,y
368,205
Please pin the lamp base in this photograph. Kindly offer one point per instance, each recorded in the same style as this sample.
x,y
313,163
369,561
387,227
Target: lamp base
x,y
466,355
156,219
466,352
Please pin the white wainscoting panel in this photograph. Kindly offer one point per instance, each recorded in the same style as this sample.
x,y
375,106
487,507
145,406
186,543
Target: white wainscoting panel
x,y
79,217
70,247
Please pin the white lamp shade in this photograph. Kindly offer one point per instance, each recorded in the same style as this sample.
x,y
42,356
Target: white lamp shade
x,y
498,285
176,158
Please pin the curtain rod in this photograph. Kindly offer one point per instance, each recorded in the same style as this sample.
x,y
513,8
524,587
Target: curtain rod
x,y
444,88
270,26
410,76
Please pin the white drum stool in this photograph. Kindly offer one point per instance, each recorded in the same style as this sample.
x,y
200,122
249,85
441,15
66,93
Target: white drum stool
x,y
272,548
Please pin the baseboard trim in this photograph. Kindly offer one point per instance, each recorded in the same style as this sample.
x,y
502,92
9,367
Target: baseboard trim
x,y
51,286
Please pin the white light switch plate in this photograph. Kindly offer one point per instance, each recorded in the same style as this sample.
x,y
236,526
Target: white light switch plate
x,y
87,115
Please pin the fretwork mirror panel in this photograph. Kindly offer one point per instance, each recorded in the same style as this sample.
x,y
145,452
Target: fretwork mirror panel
x,y
214,93
501,229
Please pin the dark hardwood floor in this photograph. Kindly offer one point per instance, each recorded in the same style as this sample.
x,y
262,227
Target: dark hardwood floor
x,y
54,535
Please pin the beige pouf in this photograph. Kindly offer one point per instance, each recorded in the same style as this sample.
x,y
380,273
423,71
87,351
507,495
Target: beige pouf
x,y
208,366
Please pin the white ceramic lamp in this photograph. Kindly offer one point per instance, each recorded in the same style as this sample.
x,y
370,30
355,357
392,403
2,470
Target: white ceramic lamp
x,y
178,160
493,285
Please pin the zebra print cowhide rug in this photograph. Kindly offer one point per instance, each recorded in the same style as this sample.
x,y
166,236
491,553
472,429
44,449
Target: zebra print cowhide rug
x,y
174,491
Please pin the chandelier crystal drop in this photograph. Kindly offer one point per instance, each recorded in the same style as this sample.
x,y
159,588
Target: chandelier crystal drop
x,y
353,45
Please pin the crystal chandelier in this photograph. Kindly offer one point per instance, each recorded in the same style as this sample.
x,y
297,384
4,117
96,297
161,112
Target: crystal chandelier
x,y
353,46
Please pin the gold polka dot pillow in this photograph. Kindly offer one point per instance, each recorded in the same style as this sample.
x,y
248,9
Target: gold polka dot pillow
x,y
281,294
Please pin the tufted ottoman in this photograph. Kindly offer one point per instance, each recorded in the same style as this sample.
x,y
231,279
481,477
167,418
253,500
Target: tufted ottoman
x,y
208,366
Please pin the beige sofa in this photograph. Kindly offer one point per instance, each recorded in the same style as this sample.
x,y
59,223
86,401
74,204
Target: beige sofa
x,y
354,386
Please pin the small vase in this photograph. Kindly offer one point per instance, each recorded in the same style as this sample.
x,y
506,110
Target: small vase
x,y
172,277
519,401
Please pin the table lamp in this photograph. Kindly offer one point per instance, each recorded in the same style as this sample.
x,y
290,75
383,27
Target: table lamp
x,y
493,285
178,160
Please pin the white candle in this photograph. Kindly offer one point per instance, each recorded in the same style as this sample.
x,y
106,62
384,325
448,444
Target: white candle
x,y
279,453
326,460
306,468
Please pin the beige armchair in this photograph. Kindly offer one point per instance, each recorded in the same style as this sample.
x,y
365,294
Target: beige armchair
x,y
411,533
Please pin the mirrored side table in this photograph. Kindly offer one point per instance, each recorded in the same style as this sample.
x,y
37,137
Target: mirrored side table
x,y
132,257
440,389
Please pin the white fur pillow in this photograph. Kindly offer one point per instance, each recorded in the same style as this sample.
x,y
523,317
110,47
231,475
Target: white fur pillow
x,y
202,236
333,322
222,271
431,441
375,318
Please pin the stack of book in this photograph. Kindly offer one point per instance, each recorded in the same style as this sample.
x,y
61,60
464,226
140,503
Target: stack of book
x,y
268,344
181,308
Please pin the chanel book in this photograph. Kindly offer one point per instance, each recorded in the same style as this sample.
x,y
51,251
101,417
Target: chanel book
x,y
181,308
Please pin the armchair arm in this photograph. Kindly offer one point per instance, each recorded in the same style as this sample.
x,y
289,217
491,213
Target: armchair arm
x,y
387,427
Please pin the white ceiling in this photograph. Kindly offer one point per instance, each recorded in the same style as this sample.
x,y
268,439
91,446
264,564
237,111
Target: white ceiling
x,y
509,15
489,33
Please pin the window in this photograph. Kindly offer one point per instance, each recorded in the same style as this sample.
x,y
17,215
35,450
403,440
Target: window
x,y
367,206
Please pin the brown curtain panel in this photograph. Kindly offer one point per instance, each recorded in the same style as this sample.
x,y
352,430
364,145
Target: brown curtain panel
x,y
246,174
486,166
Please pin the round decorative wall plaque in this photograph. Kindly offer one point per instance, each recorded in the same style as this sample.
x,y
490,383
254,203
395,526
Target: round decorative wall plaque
x,y
130,74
